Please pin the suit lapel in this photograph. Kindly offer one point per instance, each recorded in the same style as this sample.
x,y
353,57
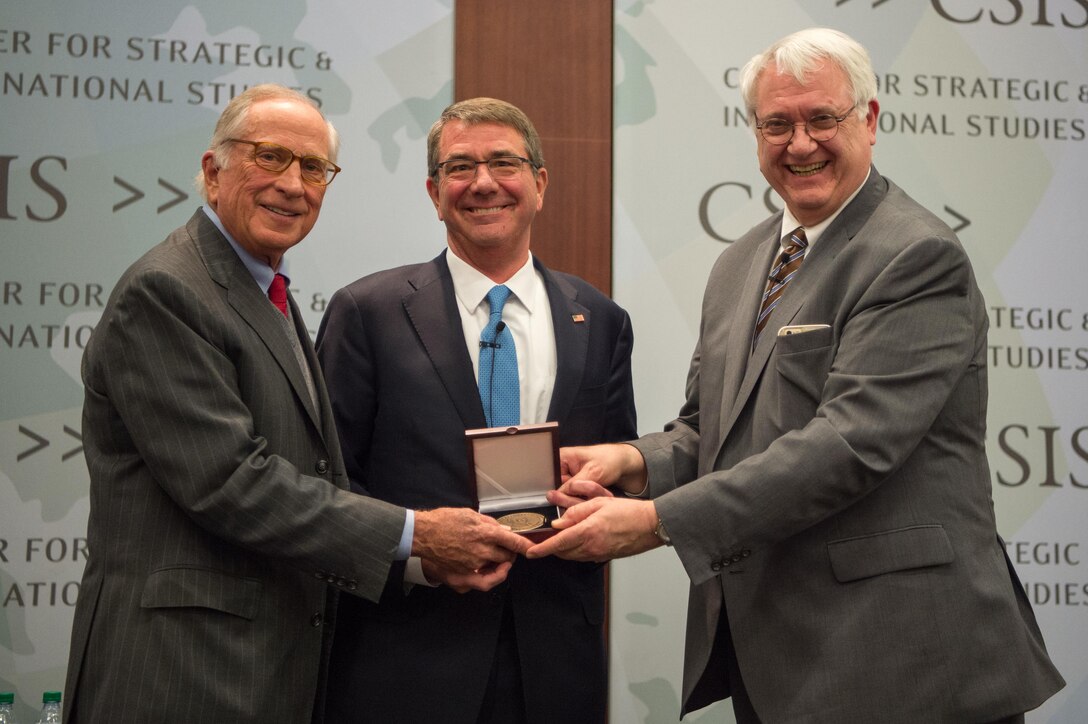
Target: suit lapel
x,y
432,310
571,341
739,365
246,298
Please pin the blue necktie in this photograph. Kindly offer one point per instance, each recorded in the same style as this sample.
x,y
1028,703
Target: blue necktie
x,y
499,389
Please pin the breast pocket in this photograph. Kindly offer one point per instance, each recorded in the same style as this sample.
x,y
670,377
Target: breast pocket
x,y
802,362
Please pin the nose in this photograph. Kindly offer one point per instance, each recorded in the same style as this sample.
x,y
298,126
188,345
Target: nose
x,y
483,178
801,142
290,180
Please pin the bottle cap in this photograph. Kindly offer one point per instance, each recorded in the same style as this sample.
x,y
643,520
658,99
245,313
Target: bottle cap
x,y
50,696
6,697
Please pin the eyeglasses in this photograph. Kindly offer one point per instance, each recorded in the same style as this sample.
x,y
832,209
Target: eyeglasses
x,y
271,157
464,169
821,127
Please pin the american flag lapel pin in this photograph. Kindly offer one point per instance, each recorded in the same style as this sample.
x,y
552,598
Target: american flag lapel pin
x,y
577,318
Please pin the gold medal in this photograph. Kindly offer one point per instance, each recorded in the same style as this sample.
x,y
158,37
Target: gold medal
x,y
521,522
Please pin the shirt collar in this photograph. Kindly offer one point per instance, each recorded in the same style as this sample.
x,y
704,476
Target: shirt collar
x,y
471,285
261,272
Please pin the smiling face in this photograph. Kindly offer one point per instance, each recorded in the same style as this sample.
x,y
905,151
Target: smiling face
x,y
814,179
267,213
487,220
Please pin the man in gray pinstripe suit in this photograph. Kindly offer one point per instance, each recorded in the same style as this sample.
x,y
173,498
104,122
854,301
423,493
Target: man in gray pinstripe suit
x,y
221,528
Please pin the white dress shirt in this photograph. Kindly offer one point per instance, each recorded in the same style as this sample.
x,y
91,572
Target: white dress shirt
x,y
528,316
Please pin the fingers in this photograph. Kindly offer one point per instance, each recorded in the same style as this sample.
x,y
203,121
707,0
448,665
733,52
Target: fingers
x,y
585,489
561,544
569,463
602,529
573,492
563,500
462,540
483,579
512,544
578,513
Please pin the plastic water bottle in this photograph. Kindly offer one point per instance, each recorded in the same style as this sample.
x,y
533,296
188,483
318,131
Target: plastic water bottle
x,y
50,708
7,703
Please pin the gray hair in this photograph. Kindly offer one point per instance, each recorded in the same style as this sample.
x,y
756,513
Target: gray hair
x,y
485,110
232,122
805,51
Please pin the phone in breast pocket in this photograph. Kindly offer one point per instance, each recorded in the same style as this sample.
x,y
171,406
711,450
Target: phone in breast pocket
x,y
800,329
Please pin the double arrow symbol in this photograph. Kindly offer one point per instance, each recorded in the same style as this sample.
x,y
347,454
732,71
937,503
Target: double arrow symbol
x,y
137,194
41,443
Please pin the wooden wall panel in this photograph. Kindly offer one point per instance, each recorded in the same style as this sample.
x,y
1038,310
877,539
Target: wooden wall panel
x,y
552,59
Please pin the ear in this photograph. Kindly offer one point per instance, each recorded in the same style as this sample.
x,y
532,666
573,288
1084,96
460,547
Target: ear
x,y
211,176
432,191
870,120
541,185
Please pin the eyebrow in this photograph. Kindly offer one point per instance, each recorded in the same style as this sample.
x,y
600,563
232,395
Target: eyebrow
x,y
819,111
494,154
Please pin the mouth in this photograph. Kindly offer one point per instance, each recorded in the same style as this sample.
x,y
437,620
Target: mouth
x,y
486,210
280,211
807,169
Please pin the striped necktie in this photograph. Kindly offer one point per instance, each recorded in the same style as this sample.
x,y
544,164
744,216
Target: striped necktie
x,y
785,268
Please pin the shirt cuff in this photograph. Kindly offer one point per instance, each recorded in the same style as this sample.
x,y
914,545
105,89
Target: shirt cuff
x,y
404,548
413,574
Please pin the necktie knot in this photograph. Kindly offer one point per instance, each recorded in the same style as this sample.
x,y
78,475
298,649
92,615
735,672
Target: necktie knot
x,y
797,241
277,292
496,299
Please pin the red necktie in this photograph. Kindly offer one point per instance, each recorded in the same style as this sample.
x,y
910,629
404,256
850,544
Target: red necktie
x,y
278,293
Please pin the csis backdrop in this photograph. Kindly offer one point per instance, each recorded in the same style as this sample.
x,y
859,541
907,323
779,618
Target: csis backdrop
x,y
107,110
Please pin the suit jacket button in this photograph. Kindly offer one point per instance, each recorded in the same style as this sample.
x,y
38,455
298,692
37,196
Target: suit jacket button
x,y
716,566
352,585
316,620
322,467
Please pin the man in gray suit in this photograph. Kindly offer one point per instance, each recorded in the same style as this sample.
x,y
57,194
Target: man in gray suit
x,y
221,527
825,484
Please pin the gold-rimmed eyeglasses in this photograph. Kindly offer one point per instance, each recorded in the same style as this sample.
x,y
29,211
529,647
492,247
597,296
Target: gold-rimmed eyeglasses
x,y
275,158
821,127
464,169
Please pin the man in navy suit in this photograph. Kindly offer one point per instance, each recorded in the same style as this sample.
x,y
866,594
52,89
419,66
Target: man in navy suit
x,y
400,350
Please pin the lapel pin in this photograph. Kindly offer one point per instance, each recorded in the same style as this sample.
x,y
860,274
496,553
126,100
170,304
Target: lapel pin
x,y
577,318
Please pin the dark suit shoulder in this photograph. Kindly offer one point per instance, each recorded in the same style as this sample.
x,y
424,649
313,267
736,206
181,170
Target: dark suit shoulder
x,y
395,281
579,290
172,262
